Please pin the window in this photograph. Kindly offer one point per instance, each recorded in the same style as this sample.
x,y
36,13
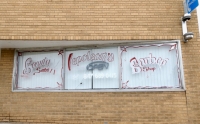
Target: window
x,y
39,70
92,69
153,66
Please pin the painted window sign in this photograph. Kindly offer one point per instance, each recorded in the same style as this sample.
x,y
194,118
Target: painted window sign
x,y
90,69
150,66
97,65
40,70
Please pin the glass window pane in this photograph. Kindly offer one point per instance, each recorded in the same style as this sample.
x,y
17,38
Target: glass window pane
x,y
76,74
105,68
150,66
40,70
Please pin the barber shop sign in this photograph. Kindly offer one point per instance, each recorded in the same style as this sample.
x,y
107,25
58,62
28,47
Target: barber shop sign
x,y
150,66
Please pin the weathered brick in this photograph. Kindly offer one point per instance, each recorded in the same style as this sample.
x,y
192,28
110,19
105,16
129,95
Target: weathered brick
x,y
98,20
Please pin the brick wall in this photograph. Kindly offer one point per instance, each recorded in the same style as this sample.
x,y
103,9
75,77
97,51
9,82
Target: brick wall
x,y
91,19
99,20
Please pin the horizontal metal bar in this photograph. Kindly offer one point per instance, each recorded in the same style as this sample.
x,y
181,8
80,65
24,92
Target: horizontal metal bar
x,y
104,44
106,90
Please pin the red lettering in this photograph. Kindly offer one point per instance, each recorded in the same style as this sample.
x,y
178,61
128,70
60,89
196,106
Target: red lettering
x,y
104,56
69,61
143,62
93,56
30,65
28,68
44,70
98,57
74,61
110,57
78,59
90,57
38,64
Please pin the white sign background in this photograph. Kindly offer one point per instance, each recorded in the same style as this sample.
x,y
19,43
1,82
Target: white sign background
x,y
78,77
51,78
162,76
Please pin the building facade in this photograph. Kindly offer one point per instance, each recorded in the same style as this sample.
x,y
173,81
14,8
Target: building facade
x,y
53,24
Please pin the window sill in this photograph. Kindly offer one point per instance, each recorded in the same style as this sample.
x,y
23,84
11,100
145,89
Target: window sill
x,y
107,90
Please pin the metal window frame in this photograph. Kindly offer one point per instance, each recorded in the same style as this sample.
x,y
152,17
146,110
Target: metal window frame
x,y
15,67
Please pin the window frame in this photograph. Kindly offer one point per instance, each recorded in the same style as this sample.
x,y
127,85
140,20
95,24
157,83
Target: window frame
x,y
16,68
120,89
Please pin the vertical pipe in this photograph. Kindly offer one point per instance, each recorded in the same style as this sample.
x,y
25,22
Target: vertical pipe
x,y
184,27
119,66
185,7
